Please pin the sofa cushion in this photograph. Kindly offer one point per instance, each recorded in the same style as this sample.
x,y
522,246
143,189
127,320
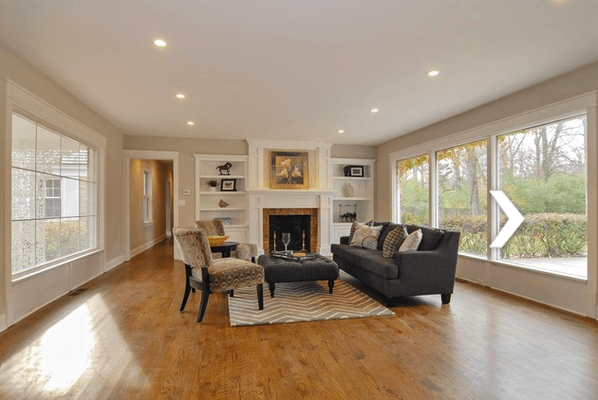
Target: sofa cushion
x,y
393,241
378,265
431,237
350,253
412,241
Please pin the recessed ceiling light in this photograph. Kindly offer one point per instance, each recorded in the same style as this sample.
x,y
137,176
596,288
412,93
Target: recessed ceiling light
x,y
190,123
317,138
374,110
160,43
433,73
180,96
341,131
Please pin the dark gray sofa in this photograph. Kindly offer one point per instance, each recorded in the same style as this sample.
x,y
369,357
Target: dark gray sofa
x,y
429,270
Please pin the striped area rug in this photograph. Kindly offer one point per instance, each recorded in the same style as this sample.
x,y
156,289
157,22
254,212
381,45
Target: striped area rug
x,y
302,301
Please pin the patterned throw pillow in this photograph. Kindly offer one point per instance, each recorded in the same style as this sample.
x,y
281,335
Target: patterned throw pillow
x,y
370,242
356,225
412,242
364,231
393,241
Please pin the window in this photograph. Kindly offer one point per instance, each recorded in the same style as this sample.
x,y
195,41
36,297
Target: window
x,y
147,196
53,196
462,181
542,170
413,190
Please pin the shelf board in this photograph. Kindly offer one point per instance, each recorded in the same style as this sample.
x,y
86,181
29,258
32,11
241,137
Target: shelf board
x,y
219,193
222,209
351,178
216,176
351,198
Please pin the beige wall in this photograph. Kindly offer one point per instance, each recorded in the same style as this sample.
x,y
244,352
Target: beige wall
x,y
188,147
19,71
561,88
142,234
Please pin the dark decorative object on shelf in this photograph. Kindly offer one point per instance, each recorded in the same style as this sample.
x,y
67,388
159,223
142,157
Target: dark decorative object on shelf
x,y
348,216
224,168
228,185
353,170
222,203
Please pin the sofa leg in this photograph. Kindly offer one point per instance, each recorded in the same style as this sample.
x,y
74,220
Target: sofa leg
x,y
446,298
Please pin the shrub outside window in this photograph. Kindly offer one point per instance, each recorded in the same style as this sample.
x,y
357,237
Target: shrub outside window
x,y
53,196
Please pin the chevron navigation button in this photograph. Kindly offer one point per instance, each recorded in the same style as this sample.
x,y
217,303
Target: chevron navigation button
x,y
514,218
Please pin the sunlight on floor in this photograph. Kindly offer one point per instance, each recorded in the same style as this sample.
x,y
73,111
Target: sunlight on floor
x,y
66,354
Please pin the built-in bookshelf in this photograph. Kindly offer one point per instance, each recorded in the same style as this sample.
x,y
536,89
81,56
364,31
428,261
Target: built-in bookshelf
x,y
232,191
353,193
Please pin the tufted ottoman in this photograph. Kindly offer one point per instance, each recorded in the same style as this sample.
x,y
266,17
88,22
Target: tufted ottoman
x,y
280,270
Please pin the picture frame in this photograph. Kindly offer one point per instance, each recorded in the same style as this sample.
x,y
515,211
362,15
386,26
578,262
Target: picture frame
x,y
290,170
354,170
228,185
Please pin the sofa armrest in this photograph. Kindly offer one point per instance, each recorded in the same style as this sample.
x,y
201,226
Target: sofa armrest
x,y
421,266
344,239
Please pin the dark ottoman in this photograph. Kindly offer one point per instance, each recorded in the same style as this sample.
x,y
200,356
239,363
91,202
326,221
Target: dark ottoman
x,y
281,270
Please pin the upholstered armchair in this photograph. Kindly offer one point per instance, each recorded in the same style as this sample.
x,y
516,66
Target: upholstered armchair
x,y
208,275
215,227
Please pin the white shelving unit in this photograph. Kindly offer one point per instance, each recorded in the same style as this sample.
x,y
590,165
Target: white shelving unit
x,y
362,199
206,201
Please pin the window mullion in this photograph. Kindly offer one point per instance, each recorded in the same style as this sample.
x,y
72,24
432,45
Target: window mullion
x,y
493,215
433,190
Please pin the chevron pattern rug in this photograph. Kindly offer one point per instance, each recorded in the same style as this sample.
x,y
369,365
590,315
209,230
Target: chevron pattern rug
x,y
302,301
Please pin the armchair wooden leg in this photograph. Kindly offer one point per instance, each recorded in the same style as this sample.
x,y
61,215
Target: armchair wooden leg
x,y
446,298
260,296
202,307
185,296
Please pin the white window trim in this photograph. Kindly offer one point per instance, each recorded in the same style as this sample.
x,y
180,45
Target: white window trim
x,y
23,102
585,103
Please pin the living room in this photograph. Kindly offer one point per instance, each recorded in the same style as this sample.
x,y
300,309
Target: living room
x,y
541,89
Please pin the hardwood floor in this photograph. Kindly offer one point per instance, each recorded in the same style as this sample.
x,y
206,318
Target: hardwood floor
x,y
121,336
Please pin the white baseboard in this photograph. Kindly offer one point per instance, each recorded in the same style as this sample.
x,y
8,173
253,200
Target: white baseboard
x,y
146,246
115,262
3,323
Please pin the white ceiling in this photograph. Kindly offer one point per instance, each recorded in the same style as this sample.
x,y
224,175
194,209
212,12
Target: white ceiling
x,y
283,69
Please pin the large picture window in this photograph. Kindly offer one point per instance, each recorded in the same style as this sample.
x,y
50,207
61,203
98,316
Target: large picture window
x,y
542,170
462,201
413,187
54,190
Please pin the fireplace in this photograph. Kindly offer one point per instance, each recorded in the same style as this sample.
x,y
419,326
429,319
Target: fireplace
x,y
296,221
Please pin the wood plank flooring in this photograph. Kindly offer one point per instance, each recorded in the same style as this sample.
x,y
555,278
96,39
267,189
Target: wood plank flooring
x,y
122,337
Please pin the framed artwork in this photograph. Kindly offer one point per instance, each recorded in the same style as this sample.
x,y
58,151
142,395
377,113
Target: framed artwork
x,y
289,170
353,170
228,185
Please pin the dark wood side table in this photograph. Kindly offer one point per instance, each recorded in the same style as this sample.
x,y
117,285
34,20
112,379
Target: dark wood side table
x,y
225,248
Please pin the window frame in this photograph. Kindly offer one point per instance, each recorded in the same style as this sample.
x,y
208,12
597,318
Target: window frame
x,y
25,104
576,106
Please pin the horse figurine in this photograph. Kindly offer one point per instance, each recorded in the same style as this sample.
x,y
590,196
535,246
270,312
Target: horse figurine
x,y
226,167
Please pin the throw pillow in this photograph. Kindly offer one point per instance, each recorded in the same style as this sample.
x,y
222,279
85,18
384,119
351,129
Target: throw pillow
x,y
356,225
412,242
364,231
394,239
369,242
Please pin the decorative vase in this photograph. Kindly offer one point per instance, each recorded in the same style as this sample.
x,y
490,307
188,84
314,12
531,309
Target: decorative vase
x,y
348,190
212,188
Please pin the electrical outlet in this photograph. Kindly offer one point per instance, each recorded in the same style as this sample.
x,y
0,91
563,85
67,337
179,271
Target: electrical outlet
x,y
187,192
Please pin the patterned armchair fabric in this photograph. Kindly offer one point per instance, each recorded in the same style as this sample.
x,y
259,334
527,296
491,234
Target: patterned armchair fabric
x,y
222,275
215,227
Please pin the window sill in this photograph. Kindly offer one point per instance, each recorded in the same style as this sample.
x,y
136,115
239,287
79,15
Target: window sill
x,y
26,275
514,265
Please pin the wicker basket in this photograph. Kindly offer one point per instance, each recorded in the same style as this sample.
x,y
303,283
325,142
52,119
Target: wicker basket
x,y
217,240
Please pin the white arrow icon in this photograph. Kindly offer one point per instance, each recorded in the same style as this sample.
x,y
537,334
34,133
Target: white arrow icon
x,y
514,218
